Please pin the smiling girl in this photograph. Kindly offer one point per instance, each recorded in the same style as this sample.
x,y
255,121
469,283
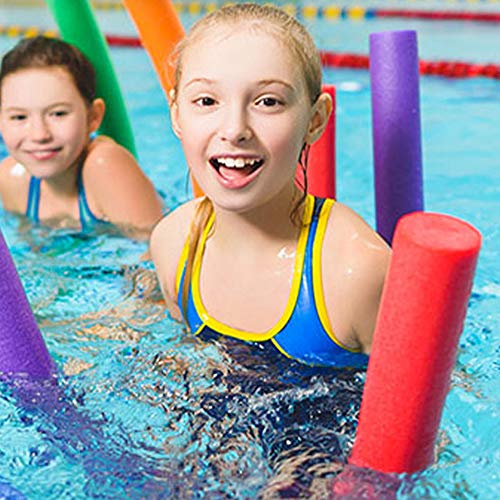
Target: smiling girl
x,y
57,174
256,259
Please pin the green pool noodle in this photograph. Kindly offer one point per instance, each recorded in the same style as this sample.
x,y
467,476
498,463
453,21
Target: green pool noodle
x,y
77,25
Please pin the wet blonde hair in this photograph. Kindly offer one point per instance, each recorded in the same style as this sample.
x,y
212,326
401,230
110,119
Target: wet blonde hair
x,y
286,29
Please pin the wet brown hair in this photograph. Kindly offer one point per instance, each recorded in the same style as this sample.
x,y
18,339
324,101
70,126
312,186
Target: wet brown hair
x,y
46,52
286,29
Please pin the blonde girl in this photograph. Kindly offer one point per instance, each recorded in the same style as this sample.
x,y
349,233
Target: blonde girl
x,y
256,259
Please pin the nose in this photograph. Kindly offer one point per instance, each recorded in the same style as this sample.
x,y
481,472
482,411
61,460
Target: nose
x,y
236,127
40,131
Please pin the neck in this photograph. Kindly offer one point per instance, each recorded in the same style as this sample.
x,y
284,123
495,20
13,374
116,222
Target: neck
x,y
270,222
64,184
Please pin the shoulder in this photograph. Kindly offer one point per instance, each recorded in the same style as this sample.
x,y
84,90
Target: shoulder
x,y
108,161
358,259
6,166
14,182
167,242
175,226
353,233
105,155
116,187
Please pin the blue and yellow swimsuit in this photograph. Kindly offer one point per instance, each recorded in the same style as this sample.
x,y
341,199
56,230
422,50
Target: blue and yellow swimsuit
x,y
303,332
87,218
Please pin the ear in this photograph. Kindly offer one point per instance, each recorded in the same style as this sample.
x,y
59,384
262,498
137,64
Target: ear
x,y
321,111
174,118
96,114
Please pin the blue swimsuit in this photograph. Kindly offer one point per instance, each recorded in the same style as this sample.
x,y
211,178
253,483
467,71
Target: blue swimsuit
x,y
303,332
87,218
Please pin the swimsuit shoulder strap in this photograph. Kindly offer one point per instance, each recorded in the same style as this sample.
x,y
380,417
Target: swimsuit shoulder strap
x,y
33,199
191,315
87,218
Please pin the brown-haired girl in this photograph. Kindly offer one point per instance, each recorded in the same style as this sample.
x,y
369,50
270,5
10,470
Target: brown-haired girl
x,y
56,173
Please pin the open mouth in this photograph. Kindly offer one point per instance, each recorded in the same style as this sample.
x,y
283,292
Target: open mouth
x,y
232,168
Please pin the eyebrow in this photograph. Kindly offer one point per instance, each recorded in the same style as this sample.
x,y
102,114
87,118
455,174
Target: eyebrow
x,y
21,108
284,83
199,80
260,83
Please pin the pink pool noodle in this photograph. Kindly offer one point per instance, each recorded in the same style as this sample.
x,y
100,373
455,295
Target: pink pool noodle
x,y
415,342
321,161
396,127
22,349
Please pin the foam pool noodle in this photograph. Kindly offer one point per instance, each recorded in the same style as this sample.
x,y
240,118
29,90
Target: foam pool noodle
x,y
160,30
78,26
421,317
394,76
22,349
321,178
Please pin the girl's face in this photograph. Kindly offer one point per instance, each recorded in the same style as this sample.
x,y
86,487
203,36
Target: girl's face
x,y
45,122
242,113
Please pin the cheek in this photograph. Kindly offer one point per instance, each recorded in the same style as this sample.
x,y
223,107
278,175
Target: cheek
x,y
194,136
75,132
192,150
286,140
11,135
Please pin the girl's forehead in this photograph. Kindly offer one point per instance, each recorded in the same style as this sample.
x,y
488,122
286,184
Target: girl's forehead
x,y
238,55
220,33
48,81
246,36
45,72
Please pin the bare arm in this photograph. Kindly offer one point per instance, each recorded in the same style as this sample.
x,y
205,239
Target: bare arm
x,y
374,255
166,244
14,181
355,264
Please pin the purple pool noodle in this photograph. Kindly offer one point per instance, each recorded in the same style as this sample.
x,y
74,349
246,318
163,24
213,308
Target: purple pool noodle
x,y
22,349
397,145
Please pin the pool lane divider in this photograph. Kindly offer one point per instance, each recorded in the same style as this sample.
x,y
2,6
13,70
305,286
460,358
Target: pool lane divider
x,y
78,26
445,68
421,317
353,12
329,59
396,130
22,348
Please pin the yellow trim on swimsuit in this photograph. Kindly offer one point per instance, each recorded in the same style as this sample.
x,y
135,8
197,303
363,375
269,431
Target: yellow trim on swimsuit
x,y
319,295
294,291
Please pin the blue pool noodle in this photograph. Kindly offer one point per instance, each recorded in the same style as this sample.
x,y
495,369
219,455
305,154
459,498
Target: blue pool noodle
x,y
22,349
394,76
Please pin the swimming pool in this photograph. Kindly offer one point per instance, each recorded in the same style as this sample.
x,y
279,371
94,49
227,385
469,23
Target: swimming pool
x,y
146,411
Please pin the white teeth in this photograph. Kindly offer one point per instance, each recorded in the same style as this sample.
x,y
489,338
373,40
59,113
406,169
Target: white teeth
x,y
236,162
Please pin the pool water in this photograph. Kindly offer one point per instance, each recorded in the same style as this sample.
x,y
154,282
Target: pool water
x,y
142,410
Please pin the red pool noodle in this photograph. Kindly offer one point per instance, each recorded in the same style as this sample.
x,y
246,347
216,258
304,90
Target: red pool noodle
x,y
421,317
321,162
